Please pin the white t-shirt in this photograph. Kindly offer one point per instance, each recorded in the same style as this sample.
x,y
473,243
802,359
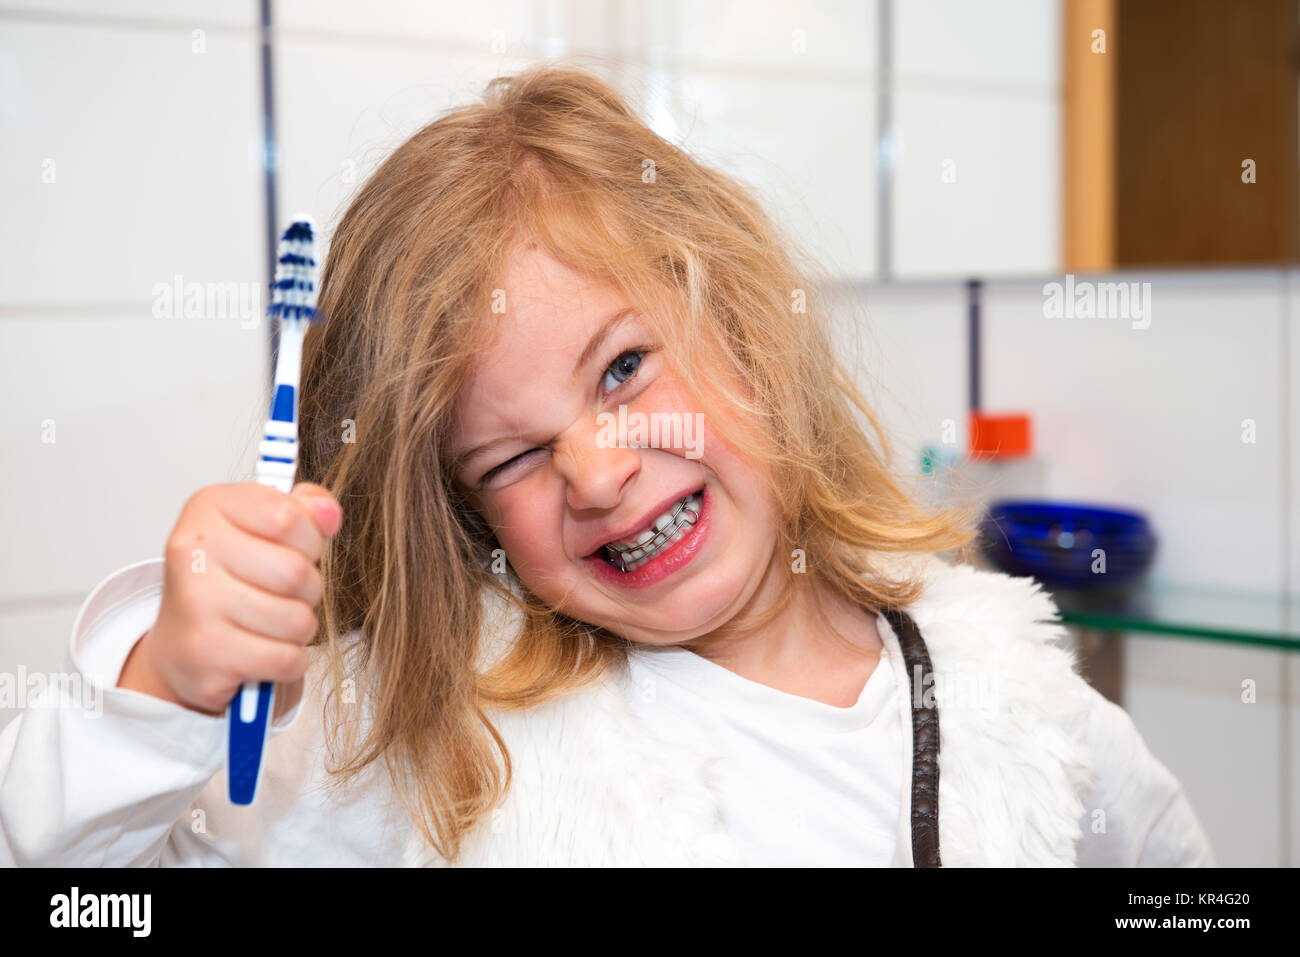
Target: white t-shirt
x,y
800,782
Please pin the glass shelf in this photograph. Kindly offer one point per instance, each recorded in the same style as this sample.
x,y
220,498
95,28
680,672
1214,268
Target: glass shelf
x,y
1268,619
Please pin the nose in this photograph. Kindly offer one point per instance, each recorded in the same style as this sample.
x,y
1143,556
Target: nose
x,y
595,475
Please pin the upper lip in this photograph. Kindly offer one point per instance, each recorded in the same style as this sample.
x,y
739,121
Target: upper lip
x,y
637,527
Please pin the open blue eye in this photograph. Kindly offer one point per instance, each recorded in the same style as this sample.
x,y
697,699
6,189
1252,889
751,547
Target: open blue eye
x,y
621,366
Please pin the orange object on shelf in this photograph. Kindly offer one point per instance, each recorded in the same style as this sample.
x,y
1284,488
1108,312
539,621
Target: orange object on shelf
x,y
999,436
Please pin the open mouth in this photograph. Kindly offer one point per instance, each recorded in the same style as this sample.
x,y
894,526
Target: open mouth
x,y
657,538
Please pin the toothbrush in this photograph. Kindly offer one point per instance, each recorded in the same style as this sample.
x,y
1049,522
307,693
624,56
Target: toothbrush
x,y
293,304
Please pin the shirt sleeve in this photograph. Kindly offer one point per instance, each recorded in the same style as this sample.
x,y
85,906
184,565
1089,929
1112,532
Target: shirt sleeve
x,y
94,775
1138,814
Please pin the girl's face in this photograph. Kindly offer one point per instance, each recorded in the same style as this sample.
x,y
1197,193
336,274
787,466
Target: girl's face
x,y
556,487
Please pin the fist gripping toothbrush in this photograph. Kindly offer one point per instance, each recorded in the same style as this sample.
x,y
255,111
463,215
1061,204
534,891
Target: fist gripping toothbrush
x,y
293,304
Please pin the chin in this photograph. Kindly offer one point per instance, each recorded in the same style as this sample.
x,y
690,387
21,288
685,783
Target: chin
x,y
687,617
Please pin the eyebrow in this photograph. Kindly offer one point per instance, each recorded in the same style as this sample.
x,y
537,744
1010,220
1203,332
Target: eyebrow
x,y
597,340
588,353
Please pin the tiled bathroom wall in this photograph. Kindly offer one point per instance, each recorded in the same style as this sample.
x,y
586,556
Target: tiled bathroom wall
x,y
133,162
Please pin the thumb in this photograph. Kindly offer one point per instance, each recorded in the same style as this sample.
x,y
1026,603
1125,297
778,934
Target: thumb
x,y
321,505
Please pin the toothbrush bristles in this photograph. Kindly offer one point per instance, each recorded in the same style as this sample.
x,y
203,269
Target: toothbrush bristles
x,y
293,292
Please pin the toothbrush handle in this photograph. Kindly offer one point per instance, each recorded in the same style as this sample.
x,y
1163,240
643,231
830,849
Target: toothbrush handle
x,y
249,723
248,717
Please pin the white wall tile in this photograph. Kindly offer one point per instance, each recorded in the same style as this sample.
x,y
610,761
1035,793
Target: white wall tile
x,y
1215,667
908,345
1225,754
145,412
491,26
343,105
793,35
1151,418
1003,42
1168,682
976,117
977,184
806,146
343,108
157,164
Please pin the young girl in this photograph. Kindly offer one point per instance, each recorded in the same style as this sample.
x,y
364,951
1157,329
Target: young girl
x,y
611,571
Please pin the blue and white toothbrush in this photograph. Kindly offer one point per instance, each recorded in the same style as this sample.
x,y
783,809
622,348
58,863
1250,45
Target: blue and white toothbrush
x,y
293,305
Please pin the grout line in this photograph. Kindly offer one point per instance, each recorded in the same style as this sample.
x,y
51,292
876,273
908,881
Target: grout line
x,y
974,353
270,166
1192,273
119,22
884,141
1051,91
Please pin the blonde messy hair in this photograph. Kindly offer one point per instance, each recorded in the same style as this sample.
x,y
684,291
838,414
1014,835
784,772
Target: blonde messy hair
x,y
553,155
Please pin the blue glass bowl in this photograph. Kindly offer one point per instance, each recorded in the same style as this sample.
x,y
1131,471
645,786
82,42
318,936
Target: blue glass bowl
x,y
1057,542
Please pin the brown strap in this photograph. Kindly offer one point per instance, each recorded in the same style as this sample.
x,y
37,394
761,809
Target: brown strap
x,y
925,741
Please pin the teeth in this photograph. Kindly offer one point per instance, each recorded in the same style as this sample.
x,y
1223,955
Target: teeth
x,y
667,529
659,524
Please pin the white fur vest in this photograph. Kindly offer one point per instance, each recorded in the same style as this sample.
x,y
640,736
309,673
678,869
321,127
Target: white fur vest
x,y
594,786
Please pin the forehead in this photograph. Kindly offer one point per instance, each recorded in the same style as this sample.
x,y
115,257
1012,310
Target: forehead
x,y
551,312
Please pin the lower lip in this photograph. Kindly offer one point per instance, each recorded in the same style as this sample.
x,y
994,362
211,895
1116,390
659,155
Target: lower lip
x,y
677,556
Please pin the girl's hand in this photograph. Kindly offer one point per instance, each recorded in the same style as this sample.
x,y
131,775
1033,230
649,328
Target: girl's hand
x,y
240,589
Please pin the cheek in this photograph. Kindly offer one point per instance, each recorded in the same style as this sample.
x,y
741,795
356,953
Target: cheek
x,y
669,395
527,528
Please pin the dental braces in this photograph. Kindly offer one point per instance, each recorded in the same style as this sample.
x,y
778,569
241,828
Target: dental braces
x,y
663,534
